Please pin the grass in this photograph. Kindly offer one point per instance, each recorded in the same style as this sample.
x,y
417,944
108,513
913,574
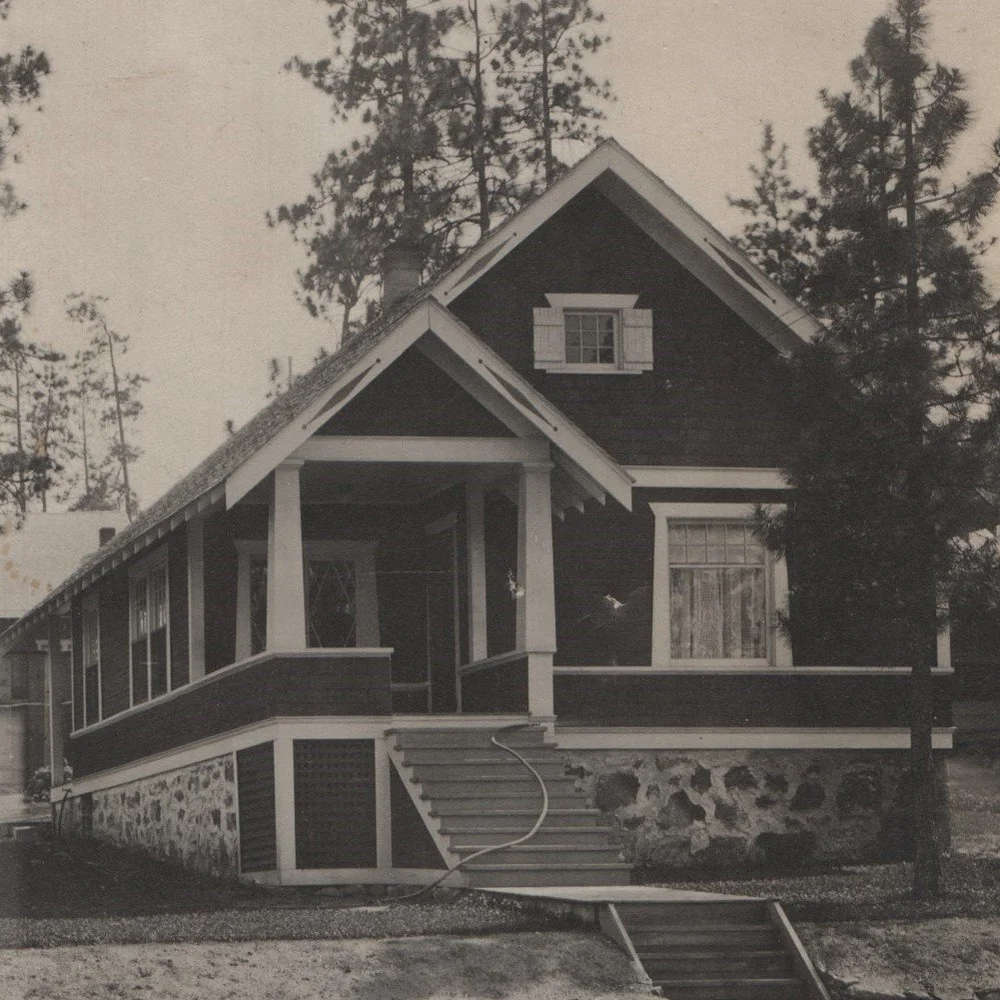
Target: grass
x,y
100,895
830,893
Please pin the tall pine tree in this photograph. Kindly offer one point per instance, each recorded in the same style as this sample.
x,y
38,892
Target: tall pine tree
x,y
903,384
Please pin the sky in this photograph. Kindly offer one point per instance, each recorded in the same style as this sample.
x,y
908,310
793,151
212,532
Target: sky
x,y
168,128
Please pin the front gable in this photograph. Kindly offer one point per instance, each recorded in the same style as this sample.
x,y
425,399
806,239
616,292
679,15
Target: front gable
x,y
714,395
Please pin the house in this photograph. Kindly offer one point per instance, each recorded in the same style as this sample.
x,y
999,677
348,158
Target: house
x,y
35,556
520,498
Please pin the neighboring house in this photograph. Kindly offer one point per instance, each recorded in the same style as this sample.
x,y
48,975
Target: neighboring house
x,y
521,497
35,556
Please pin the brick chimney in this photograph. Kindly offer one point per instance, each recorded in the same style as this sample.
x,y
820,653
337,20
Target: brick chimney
x,y
402,271
105,535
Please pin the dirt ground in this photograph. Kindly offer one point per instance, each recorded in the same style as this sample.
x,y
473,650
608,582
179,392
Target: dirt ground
x,y
530,966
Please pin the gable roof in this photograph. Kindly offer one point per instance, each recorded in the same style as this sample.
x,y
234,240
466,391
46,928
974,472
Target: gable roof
x,y
230,470
670,221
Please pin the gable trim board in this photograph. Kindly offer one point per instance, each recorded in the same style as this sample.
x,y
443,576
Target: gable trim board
x,y
603,474
670,221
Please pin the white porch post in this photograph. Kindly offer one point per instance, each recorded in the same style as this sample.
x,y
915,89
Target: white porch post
x,y
475,533
284,806
196,596
286,606
536,616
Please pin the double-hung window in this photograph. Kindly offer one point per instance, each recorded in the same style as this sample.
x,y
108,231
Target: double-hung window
x,y
91,653
593,335
149,606
717,590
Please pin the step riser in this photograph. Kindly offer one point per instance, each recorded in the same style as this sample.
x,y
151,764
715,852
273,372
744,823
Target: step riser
x,y
643,916
500,880
763,990
773,968
577,835
543,754
514,771
759,938
567,856
439,739
526,786
464,805
587,822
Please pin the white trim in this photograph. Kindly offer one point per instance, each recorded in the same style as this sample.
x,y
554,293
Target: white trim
x,y
749,738
706,477
383,803
457,450
573,300
284,803
354,727
489,662
516,392
779,650
344,652
141,571
668,219
90,604
574,670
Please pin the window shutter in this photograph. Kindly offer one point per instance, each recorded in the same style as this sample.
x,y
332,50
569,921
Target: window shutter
x,y
637,339
550,338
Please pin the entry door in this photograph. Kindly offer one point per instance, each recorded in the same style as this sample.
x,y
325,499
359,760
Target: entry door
x,y
442,615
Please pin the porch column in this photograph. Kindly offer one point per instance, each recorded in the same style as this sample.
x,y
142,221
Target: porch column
x,y
196,596
57,691
286,604
536,615
475,533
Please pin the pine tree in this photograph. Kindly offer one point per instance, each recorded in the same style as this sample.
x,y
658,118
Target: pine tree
x,y
115,393
904,384
546,44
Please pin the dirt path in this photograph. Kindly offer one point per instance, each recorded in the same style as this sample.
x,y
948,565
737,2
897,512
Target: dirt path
x,y
530,966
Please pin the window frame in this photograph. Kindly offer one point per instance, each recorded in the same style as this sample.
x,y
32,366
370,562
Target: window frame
x,y
141,572
90,608
360,553
575,303
779,652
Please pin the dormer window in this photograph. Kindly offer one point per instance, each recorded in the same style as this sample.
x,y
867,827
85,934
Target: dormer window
x,y
593,334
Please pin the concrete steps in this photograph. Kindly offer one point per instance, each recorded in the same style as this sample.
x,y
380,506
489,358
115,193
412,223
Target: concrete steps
x,y
481,796
720,950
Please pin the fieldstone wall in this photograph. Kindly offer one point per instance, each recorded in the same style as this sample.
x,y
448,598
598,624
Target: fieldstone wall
x,y
188,816
717,809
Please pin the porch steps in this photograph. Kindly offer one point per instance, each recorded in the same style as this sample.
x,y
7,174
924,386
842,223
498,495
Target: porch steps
x,y
481,796
739,949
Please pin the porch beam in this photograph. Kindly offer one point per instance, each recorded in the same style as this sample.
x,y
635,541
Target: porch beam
x,y
462,450
536,617
286,604
56,690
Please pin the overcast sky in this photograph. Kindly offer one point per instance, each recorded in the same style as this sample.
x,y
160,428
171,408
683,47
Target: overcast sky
x,y
168,129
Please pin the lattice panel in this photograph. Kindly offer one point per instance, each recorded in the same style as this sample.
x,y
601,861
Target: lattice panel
x,y
335,804
258,843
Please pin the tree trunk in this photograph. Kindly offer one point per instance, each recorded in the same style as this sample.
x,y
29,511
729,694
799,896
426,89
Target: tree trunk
x,y
479,125
129,502
22,493
550,162
926,852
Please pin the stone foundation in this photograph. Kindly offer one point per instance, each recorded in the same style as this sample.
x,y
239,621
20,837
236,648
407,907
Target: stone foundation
x,y
719,809
188,816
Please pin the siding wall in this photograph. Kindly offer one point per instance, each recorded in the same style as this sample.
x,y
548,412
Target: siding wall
x,y
714,396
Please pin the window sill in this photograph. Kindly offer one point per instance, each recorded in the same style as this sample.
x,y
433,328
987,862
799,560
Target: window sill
x,y
590,370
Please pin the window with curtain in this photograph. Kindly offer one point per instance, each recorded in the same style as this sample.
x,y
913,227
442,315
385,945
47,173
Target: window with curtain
x,y
717,592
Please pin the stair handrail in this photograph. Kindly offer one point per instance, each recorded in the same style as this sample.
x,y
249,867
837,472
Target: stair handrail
x,y
491,848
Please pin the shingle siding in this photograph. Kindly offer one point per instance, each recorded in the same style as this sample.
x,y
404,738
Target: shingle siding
x,y
714,396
